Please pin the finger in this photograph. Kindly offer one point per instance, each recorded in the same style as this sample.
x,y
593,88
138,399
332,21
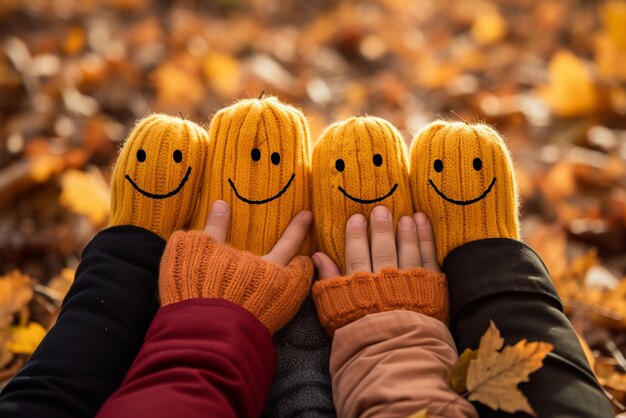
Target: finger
x,y
426,242
218,221
408,244
383,240
357,246
289,244
325,266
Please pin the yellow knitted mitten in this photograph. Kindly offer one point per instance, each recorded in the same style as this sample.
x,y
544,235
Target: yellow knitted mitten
x,y
196,266
156,179
259,163
462,178
358,163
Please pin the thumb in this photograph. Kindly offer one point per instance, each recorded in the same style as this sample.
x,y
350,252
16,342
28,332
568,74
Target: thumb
x,y
326,268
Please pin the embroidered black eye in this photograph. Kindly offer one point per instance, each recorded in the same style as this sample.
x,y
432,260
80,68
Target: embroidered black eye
x,y
255,154
141,156
178,156
378,160
438,166
275,158
340,165
478,164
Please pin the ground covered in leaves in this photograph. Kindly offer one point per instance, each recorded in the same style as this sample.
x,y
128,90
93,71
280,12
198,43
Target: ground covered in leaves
x,y
550,75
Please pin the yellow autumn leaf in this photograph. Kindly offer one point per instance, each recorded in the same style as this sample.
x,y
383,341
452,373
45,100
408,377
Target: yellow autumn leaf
x,y
571,91
458,374
614,19
25,339
422,413
177,86
223,73
488,27
86,193
493,376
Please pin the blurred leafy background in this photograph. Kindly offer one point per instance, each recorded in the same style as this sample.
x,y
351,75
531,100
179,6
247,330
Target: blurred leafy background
x,y
549,74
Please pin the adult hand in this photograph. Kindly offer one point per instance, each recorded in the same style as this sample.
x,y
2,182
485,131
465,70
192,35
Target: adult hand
x,y
413,246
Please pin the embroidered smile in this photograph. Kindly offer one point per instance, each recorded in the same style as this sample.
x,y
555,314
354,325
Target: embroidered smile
x,y
366,201
260,202
464,202
160,196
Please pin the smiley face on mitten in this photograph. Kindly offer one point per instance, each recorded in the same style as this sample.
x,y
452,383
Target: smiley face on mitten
x,y
260,165
358,163
157,176
462,178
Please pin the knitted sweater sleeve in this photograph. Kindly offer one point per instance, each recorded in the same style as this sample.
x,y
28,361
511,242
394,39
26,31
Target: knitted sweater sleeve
x,y
395,363
201,357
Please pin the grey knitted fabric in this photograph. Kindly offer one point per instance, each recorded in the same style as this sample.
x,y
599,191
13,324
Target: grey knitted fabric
x,y
301,386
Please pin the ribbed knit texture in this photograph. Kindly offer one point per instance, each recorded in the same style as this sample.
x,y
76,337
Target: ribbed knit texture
x,y
342,300
258,144
162,140
196,266
356,141
462,179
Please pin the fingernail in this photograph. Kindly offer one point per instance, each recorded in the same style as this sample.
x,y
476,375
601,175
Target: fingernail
x,y
421,219
357,220
307,216
219,208
381,213
406,223
316,259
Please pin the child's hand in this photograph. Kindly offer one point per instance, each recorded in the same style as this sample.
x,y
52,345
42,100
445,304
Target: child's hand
x,y
285,249
197,264
412,247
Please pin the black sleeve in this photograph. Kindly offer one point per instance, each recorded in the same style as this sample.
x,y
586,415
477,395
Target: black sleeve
x,y
302,386
505,281
100,329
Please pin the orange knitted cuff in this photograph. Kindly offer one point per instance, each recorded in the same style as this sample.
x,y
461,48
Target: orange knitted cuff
x,y
342,300
194,265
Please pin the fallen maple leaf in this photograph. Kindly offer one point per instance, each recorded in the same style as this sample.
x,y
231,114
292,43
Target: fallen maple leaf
x,y
458,374
25,339
492,376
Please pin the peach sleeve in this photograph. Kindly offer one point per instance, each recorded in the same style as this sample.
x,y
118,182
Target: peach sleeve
x,y
392,364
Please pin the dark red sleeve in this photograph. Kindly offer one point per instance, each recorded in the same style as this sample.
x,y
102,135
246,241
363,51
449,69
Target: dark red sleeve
x,y
200,358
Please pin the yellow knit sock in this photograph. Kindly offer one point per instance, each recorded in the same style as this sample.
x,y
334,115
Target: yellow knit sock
x,y
462,178
156,179
358,163
259,163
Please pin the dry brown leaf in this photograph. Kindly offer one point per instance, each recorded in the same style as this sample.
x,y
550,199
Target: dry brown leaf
x,y
5,354
493,376
458,374
16,290
86,193
571,91
422,413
